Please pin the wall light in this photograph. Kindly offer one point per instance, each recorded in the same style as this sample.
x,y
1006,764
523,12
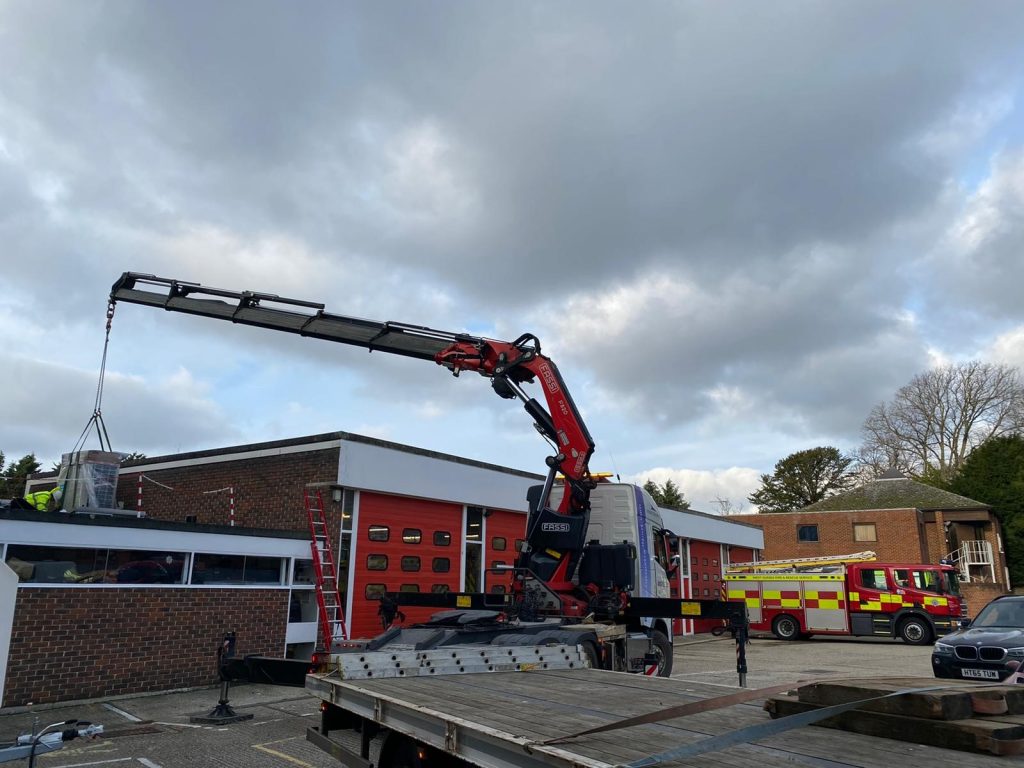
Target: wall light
x,y
336,494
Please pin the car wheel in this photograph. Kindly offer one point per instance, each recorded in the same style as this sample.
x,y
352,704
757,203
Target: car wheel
x,y
786,627
915,631
590,651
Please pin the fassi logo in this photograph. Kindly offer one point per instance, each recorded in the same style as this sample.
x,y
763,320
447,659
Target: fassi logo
x,y
555,527
549,378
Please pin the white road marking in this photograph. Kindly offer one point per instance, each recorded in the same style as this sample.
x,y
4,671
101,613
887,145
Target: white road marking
x,y
179,725
148,763
99,762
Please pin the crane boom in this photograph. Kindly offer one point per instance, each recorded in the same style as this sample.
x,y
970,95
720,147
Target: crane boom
x,y
507,364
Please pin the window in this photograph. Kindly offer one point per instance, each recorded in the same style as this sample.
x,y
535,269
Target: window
x,y
410,563
409,588
412,535
873,579
499,543
864,532
706,592
442,538
714,562
378,533
440,588
807,533
69,565
303,572
374,591
705,561
927,581
715,577
377,562
441,565
474,523
235,569
705,577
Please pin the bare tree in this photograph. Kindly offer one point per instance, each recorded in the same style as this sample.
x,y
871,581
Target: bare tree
x,y
933,422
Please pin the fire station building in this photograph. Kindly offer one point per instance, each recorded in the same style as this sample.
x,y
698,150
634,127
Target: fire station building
x,y
901,520
214,541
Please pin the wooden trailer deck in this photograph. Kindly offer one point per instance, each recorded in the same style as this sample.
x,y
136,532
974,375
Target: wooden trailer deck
x,y
501,719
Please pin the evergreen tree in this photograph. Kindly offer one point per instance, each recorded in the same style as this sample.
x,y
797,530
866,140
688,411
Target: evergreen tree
x,y
667,495
993,473
803,478
17,473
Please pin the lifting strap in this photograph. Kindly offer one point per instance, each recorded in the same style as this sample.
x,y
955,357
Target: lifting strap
x,y
96,420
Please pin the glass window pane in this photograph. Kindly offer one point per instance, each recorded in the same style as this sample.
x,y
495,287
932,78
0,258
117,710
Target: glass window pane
x,y
442,538
499,543
474,523
126,566
57,565
218,569
410,563
374,591
303,572
377,562
807,533
378,533
864,532
412,535
262,570
441,565
440,588
409,588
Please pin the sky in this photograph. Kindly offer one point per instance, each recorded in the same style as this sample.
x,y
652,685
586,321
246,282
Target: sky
x,y
735,227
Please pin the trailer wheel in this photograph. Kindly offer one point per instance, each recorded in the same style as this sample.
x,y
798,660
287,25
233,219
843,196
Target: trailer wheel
x,y
914,631
663,650
786,627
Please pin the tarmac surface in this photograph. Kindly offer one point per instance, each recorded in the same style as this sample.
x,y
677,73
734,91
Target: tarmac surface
x,y
153,730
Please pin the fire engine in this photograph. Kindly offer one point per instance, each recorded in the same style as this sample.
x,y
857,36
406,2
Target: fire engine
x,y
848,595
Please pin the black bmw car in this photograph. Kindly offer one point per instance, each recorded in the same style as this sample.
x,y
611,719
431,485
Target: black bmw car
x,y
990,648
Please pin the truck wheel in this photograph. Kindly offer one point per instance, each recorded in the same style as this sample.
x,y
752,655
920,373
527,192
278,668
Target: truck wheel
x,y
590,651
663,650
786,628
915,631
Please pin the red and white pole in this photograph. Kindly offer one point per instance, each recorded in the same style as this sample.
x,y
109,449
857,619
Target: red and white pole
x,y
138,497
231,502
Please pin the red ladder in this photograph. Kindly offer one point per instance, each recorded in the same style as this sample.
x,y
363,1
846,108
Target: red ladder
x,y
328,596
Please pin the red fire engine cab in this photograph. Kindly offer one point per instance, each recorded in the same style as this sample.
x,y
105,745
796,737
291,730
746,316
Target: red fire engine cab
x,y
848,595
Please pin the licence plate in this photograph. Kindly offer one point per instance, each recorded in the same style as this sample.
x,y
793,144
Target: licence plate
x,y
988,674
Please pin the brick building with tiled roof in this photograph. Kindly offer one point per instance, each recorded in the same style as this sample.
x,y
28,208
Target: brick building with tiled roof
x,y
901,520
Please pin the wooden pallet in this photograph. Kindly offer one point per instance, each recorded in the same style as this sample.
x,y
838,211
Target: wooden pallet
x,y
965,716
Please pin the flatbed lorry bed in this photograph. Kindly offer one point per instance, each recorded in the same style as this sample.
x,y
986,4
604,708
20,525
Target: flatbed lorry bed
x,y
501,719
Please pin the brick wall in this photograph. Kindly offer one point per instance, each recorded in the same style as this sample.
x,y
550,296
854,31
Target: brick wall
x,y
85,643
268,489
900,534
979,595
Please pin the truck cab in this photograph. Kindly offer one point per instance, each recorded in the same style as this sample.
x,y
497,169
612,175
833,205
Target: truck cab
x,y
914,601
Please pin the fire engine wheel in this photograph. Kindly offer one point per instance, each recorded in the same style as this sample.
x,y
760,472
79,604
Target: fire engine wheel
x,y
786,628
663,650
914,631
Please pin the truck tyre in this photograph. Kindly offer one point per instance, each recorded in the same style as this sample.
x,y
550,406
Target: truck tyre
x,y
591,654
785,627
914,630
663,649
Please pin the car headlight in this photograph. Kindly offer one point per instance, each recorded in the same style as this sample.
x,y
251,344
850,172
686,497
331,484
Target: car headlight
x,y
941,649
1015,653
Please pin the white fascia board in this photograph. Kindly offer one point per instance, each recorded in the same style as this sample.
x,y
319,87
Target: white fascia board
x,y
720,530
40,534
375,468
236,456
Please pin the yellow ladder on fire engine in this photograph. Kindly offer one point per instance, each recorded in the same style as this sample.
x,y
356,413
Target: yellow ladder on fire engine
x,y
328,595
802,562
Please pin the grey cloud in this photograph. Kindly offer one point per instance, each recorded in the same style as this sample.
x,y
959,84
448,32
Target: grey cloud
x,y
47,406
